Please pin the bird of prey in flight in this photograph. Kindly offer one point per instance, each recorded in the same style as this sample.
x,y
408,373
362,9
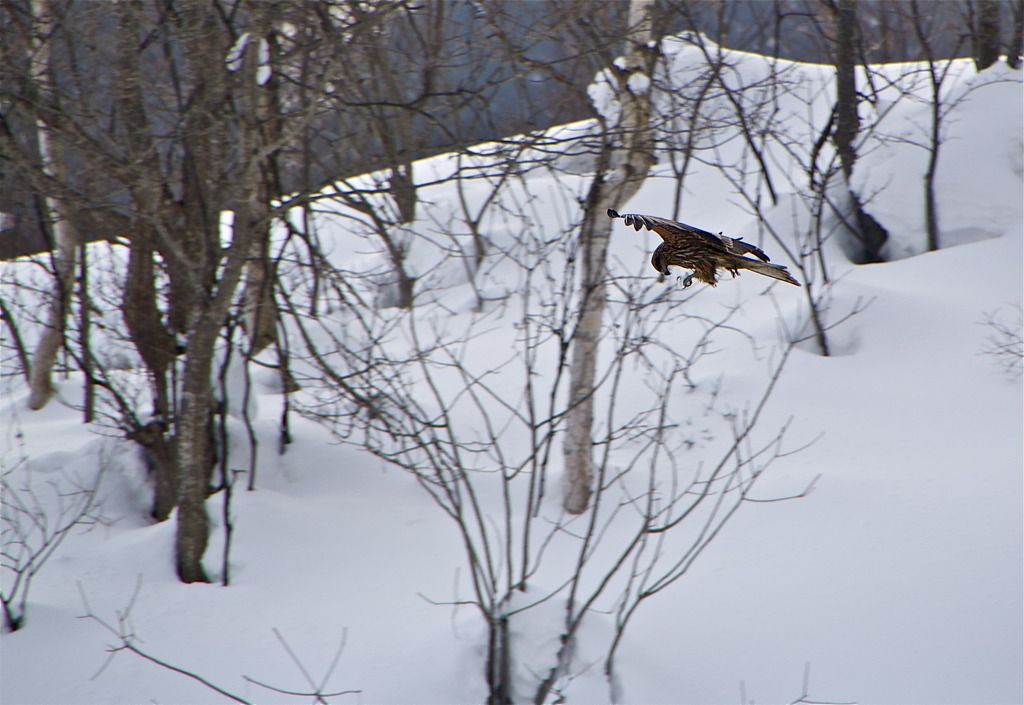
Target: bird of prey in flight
x,y
703,252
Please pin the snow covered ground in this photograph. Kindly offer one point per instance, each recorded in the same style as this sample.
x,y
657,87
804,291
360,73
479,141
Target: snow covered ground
x,y
897,580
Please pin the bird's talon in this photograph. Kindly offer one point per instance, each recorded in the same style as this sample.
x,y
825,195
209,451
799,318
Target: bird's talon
x,y
684,283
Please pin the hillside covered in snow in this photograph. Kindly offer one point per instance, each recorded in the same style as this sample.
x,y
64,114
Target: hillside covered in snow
x,y
773,524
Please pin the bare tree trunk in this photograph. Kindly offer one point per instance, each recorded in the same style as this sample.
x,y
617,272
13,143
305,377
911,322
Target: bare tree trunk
x,y
499,667
1016,47
154,342
51,338
261,314
847,119
870,235
937,75
19,346
403,190
931,206
194,450
986,34
193,454
84,342
156,346
260,304
158,453
192,255
210,312
621,170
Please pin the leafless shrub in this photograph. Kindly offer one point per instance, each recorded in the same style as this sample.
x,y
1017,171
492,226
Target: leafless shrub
x,y
1003,344
36,517
127,640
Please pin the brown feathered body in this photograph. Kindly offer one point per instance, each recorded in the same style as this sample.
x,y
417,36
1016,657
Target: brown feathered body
x,y
705,253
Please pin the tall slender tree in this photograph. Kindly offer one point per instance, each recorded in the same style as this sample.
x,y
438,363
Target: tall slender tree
x,y
65,236
867,232
986,32
626,157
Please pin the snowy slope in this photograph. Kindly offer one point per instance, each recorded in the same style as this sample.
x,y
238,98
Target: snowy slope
x,y
898,579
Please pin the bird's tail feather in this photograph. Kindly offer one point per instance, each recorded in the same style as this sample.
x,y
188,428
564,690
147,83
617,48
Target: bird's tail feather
x,y
775,271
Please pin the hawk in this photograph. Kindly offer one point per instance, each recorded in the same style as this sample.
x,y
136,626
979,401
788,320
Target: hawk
x,y
691,248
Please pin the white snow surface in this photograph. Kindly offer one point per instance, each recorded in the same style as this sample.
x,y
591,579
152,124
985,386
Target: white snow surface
x,y
898,579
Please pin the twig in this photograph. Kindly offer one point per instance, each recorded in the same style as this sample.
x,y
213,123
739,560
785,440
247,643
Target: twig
x,y
127,642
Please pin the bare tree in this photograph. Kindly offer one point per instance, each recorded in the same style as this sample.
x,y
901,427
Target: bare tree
x,y
847,47
1005,342
847,119
66,239
1015,46
479,435
204,110
938,70
434,390
35,519
183,274
985,24
625,158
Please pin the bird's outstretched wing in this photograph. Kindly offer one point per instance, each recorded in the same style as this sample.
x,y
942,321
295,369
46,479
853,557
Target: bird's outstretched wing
x,y
705,253
671,230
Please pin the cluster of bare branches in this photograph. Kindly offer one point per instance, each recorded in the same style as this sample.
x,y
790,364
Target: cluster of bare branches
x,y
123,630
1004,343
208,111
35,519
803,699
481,437
474,427
442,391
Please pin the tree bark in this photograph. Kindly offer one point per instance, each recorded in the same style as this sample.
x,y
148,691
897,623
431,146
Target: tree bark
x,y
51,339
151,211
260,304
1016,47
847,119
869,234
220,269
931,209
156,346
622,168
499,667
193,455
986,34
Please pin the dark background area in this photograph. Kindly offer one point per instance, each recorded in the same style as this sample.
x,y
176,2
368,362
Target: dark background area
x,y
483,71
